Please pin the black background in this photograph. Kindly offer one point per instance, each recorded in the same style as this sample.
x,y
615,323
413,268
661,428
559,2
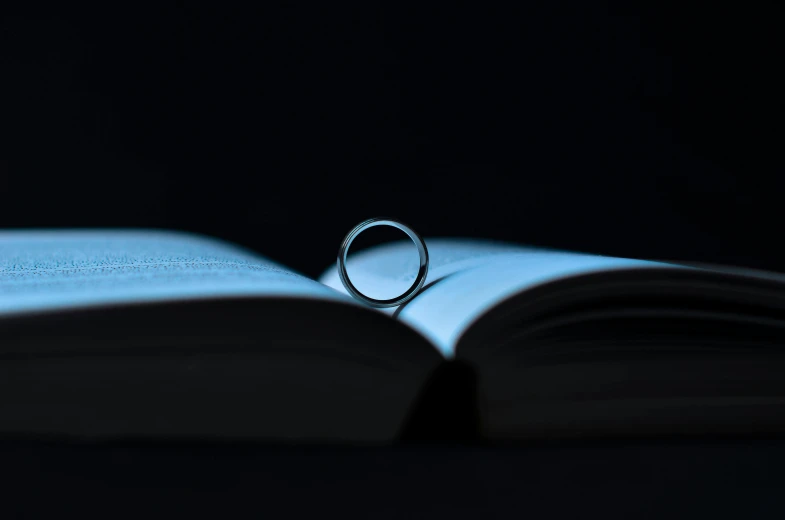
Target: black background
x,y
609,128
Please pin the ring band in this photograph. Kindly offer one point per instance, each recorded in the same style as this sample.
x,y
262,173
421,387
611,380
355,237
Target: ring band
x,y
421,274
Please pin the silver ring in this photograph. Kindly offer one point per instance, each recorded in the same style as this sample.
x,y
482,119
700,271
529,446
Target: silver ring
x,y
421,274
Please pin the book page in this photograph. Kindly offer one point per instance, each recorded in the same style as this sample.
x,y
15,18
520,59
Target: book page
x,y
387,271
466,279
48,270
257,353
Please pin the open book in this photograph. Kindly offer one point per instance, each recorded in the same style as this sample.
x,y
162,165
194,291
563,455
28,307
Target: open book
x,y
145,333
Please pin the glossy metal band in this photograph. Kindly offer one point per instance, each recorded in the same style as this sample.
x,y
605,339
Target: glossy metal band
x,y
421,274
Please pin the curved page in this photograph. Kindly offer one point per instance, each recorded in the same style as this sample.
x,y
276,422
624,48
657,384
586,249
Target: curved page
x,y
467,278
51,270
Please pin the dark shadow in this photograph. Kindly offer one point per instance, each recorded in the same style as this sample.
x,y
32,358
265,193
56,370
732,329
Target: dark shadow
x,y
447,410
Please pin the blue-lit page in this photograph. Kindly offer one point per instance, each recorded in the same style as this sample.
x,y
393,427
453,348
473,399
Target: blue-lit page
x,y
387,271
50,270
468,278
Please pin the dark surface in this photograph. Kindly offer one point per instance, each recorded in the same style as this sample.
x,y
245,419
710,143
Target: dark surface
x,y
719,479
650,132
599,127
